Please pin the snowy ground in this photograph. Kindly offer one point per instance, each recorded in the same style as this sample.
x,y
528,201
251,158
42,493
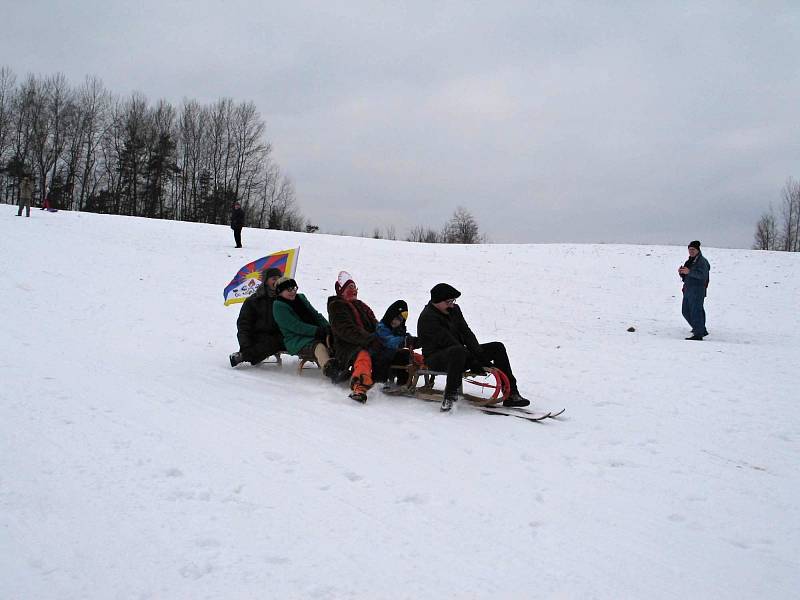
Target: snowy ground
x,y
135,463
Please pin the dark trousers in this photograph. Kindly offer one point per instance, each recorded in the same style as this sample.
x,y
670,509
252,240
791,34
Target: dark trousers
x,y
383,361
26,204
267,346
237,235
457,359
693,311
402,358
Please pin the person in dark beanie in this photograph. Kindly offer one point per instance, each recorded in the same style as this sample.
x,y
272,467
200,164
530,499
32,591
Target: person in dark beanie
x,y
356,343
258,333
695,276
305,331
448,344
237,222
394,335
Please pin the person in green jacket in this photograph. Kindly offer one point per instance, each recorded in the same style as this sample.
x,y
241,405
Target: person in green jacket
x,y
306,333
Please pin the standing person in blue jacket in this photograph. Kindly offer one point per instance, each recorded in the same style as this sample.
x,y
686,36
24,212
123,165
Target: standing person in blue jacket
x,y
695,276
305,331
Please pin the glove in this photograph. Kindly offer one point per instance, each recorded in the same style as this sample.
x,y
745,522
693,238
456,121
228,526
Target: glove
x,y
375,344
410,341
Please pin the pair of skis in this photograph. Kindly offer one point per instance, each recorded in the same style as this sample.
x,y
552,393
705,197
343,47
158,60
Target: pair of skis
x,y
481,404
519,412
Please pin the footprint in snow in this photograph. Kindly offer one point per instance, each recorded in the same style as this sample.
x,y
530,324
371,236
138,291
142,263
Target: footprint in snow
x,y
194,571
413,499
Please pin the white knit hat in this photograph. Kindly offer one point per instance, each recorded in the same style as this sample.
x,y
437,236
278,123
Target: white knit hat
x,y
342,281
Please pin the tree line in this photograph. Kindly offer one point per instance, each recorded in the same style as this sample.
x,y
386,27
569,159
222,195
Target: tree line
x,y
90,150
461,228
782,231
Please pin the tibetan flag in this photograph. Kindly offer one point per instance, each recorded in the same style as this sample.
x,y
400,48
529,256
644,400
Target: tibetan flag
x,y
247,280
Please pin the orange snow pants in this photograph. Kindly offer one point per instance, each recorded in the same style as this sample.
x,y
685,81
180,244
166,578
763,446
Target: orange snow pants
x,y
362,372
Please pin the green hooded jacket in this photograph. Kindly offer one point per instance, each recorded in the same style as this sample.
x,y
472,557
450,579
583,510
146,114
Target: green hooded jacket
x,y
297,334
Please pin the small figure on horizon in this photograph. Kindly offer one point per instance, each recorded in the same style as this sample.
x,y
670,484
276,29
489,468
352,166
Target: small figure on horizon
x,y
237,222
46,202
448,344
695,276
25,195
258,332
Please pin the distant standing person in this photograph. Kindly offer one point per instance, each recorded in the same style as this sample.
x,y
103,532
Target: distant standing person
x,y
695,276
25,195
46,204
237,222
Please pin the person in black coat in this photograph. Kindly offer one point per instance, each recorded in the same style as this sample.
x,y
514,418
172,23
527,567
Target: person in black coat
x,y
448,344
237,222
258,332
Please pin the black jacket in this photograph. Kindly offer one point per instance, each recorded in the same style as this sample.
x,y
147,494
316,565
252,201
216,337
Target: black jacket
x,y
255,318
237,218
437,331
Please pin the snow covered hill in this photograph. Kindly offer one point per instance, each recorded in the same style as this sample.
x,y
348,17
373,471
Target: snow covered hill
x,y
135,463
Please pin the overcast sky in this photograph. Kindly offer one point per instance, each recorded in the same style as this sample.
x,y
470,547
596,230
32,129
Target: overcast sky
x,y
632,122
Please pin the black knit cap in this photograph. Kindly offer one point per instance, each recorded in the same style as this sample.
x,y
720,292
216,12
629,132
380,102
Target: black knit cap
x,y
694,244
397,307
443,291
271,272
284,283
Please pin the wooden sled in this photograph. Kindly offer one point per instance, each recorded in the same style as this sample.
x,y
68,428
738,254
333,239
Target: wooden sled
x,y
496,381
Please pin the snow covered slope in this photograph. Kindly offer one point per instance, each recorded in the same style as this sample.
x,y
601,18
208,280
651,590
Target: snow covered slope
x,y
135,463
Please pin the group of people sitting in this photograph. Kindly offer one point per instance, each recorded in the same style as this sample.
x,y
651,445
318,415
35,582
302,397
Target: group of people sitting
x,y
353,345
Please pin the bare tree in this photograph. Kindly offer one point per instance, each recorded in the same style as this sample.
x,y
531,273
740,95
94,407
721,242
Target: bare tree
x,y
790,234
462,228
423,234
766,236
8,83
7,86
93,101
278,207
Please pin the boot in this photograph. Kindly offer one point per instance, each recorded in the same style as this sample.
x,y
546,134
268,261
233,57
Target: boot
x,y
332,371
359,396
516,400
448,400
696,338
236,358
